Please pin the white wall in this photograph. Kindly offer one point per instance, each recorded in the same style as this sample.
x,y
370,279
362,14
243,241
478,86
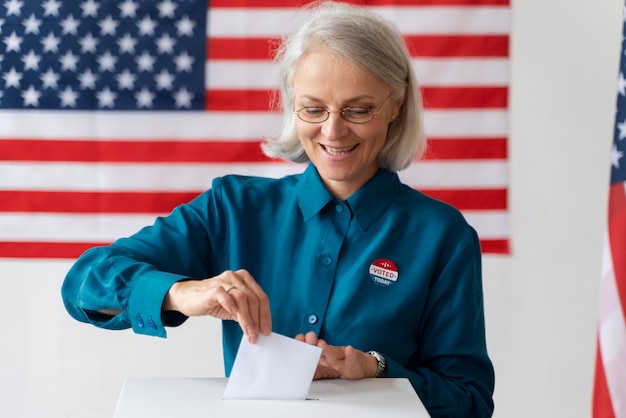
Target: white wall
x,y
541,302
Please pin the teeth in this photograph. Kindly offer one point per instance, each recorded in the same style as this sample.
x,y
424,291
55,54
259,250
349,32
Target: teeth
x,y
338,151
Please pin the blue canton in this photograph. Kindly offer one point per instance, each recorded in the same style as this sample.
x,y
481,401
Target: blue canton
x,y
102,55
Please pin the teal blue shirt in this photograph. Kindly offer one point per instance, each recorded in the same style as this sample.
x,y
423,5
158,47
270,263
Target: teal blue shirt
x,y
389,269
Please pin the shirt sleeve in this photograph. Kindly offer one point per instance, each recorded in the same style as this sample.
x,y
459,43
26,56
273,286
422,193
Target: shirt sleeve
x,y
452,372
134,274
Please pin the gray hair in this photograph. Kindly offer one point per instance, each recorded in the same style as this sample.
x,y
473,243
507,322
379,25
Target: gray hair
x,y
366,39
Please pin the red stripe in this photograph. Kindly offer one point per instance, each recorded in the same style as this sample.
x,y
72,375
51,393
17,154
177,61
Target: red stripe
x,y
495,246
469,199
601,405
129,151
419,45
74,249
45,249
466,149
617,238
434,98
164,202
465,97
209,152
298,3
92,202
458,45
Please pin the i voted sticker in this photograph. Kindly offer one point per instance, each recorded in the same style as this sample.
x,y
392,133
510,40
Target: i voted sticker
x,y
383,272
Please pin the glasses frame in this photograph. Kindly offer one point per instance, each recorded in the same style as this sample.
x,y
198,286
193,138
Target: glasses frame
x,y
341,111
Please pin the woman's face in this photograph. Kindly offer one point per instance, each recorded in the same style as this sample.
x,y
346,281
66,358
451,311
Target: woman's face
x,y
344,153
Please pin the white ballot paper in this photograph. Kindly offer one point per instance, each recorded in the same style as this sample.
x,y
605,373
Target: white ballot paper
x,y
276,367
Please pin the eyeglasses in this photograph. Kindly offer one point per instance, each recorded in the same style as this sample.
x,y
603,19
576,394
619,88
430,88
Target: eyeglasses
x,y
352,114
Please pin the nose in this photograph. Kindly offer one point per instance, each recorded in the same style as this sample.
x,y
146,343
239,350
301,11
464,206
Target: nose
x,y
335,126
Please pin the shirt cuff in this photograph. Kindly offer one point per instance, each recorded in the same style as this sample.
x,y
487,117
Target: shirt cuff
x,y
146,300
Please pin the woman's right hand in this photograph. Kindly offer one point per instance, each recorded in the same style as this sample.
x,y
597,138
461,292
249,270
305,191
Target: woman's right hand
x,y
232,295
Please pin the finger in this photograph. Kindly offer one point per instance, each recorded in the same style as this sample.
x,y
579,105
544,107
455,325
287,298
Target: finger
x,y
311,338
299,337
260,308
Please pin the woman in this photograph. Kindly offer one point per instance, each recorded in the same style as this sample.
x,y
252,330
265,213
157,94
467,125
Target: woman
x,y
344,256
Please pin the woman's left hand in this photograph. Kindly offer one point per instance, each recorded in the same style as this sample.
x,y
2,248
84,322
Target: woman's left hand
x,y
340,362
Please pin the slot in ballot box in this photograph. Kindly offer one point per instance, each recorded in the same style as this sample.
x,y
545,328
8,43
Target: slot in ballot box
x,y
202,397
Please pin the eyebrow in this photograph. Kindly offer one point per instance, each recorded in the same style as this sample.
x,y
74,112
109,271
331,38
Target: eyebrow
x,y
350,100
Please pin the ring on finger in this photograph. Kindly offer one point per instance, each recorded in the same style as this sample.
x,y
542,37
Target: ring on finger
x,y
232,286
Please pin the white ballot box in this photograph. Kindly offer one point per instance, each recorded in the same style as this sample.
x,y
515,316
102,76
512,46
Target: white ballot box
x,y
202,397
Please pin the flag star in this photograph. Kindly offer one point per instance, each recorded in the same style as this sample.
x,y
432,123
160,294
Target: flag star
x,y
165,44
90,8
128,9
144,98
126,80
616,155
13,7
127,44
166,9
108,26
146,26
107,62
183,98
164,80
13,42
184,62
88,44
70,25
69,61
622,130
31,61
12,78
621,84
31,25
185,26
50,43
31,97
145,62
68,97
106,98
51,7
50,79
87,79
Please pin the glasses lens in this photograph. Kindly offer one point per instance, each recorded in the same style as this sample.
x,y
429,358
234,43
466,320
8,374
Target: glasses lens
x,y
357,114
313,114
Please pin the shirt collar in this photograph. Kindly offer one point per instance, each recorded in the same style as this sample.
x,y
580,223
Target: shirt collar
x,y
367,204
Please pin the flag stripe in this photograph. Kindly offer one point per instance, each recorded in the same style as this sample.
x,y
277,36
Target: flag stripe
x,y
50,176
192,126
440,46
86,227
227,22
436,72
208,152
617,240
163,202
298,3
434,98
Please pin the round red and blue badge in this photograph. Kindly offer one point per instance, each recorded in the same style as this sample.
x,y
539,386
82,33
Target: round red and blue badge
x,y
383,272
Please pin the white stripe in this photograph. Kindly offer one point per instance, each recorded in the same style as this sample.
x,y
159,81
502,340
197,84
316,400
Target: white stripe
x,y
489,224
262,75
269,22
108,227
203,126
70,227
612,334
197,177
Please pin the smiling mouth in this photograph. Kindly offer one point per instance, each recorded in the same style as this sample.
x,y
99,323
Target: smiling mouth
x,y
338,151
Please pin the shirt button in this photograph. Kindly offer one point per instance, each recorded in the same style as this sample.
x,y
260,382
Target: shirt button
x,y
312,319
139,322
326,260
339,208
152,324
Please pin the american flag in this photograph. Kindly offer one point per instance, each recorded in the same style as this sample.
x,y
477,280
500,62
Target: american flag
x,y
114,111
609,394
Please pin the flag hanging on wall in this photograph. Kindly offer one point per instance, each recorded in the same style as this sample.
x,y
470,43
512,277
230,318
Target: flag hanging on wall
x,y
609,392
112,112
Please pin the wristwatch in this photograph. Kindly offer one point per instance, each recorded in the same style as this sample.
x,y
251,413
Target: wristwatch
x,y
381,370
